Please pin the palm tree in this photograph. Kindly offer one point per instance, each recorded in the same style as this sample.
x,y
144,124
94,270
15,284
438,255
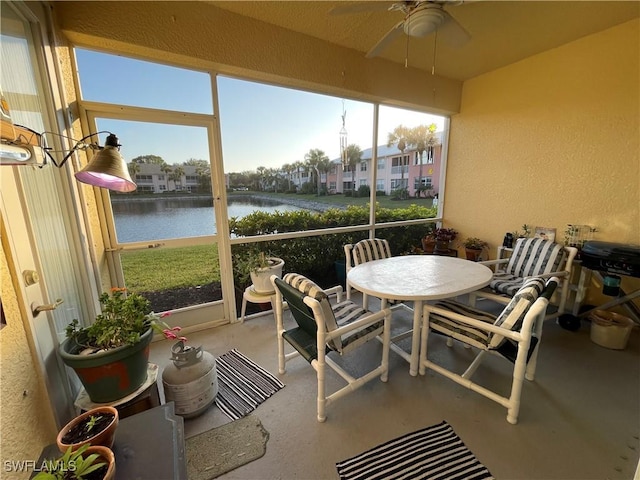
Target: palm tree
x,y
298,167
324,166
262,177
354,157
166,169
313,159
401,137
177,175
288,169
423,138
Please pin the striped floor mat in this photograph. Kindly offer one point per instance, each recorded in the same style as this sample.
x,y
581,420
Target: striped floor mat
x,y
434,452
242,384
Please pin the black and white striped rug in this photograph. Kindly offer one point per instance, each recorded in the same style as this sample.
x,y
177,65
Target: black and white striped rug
x,y
434,452
242,384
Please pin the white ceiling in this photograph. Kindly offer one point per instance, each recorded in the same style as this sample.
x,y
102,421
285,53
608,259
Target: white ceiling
x,y
502,32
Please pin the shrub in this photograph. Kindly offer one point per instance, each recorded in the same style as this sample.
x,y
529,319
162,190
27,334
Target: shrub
x,y
315,256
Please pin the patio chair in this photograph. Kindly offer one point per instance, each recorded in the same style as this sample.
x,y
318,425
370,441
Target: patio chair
x,y
361,252
322,328
514,335
531,257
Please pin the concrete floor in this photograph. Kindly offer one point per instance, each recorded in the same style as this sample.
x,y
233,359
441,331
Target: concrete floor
x,y
580,419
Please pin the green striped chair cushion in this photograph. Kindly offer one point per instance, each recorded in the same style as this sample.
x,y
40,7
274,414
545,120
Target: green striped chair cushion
x,y
337,315
465,333
530,257
511,317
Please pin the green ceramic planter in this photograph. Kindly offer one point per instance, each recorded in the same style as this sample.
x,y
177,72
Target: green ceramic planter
x,y
110,375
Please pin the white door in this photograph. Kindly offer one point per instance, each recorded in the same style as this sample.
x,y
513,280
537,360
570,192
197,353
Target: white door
x,y
32,283
43,231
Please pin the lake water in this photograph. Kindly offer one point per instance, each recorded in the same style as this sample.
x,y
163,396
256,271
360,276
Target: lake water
x,y
144,219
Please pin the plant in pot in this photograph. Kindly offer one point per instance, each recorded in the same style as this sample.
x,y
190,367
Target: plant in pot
x,y
473,248
259,266
444,237
85,463
94,427
429,241
111,355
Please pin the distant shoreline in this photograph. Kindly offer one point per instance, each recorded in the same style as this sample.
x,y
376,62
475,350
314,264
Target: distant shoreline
x,y
304,204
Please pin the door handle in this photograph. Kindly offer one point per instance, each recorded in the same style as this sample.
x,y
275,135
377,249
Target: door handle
x,y
36,309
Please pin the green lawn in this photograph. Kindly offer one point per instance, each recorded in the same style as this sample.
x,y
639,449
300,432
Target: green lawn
x,y
164,268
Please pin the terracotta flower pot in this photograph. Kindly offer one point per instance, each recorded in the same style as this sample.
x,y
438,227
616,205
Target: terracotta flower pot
x,y
107,456
473,254
428,244
105,436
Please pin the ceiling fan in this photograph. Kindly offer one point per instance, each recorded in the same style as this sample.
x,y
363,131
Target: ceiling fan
x,y
421,18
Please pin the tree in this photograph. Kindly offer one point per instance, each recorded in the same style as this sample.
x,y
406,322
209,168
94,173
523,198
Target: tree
x,y
401,137
149,159
204,179
314,158
298,168
176,176
423,138
288,169
354,157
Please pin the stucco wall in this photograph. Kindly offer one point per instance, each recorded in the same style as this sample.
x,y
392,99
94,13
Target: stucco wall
x,y
551,140
26,421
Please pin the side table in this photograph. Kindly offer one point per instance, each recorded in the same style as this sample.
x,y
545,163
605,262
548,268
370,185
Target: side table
x,y
250,295
144,398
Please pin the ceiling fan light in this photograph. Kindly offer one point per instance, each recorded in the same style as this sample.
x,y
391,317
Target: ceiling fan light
x,y
423,22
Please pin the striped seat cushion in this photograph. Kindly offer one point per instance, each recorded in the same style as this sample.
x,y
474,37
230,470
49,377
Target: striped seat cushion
x,y
337,315
530,257
506,283
511,317
465,333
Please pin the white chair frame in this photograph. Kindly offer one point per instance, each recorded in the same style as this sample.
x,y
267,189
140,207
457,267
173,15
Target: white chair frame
x,y
323,338
531,325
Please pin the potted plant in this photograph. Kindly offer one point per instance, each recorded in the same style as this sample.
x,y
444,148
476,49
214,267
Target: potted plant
x,y
444,237
86,463
94,427
259,266
111,355
473,248
429,241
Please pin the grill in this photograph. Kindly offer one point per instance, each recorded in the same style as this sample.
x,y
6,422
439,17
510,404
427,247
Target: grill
x,y
614,259
618,258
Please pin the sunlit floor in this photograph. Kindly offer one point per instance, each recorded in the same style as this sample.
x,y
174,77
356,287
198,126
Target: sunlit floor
x,y
580,419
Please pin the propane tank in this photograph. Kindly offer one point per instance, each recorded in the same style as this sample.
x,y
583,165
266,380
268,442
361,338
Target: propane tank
x,y
191,382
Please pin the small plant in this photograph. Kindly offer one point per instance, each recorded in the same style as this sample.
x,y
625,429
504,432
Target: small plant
x,y
92,422
526,232
123,320
252,261
72,465
445,234
474,243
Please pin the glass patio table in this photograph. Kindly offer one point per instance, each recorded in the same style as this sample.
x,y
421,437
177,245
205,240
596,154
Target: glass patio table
x,y
418,278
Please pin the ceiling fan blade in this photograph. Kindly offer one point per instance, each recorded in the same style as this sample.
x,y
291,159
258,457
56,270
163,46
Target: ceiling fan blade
x,y
360,7
385,41
454,33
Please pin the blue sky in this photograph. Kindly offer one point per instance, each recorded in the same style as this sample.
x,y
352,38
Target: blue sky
x,y
262,125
